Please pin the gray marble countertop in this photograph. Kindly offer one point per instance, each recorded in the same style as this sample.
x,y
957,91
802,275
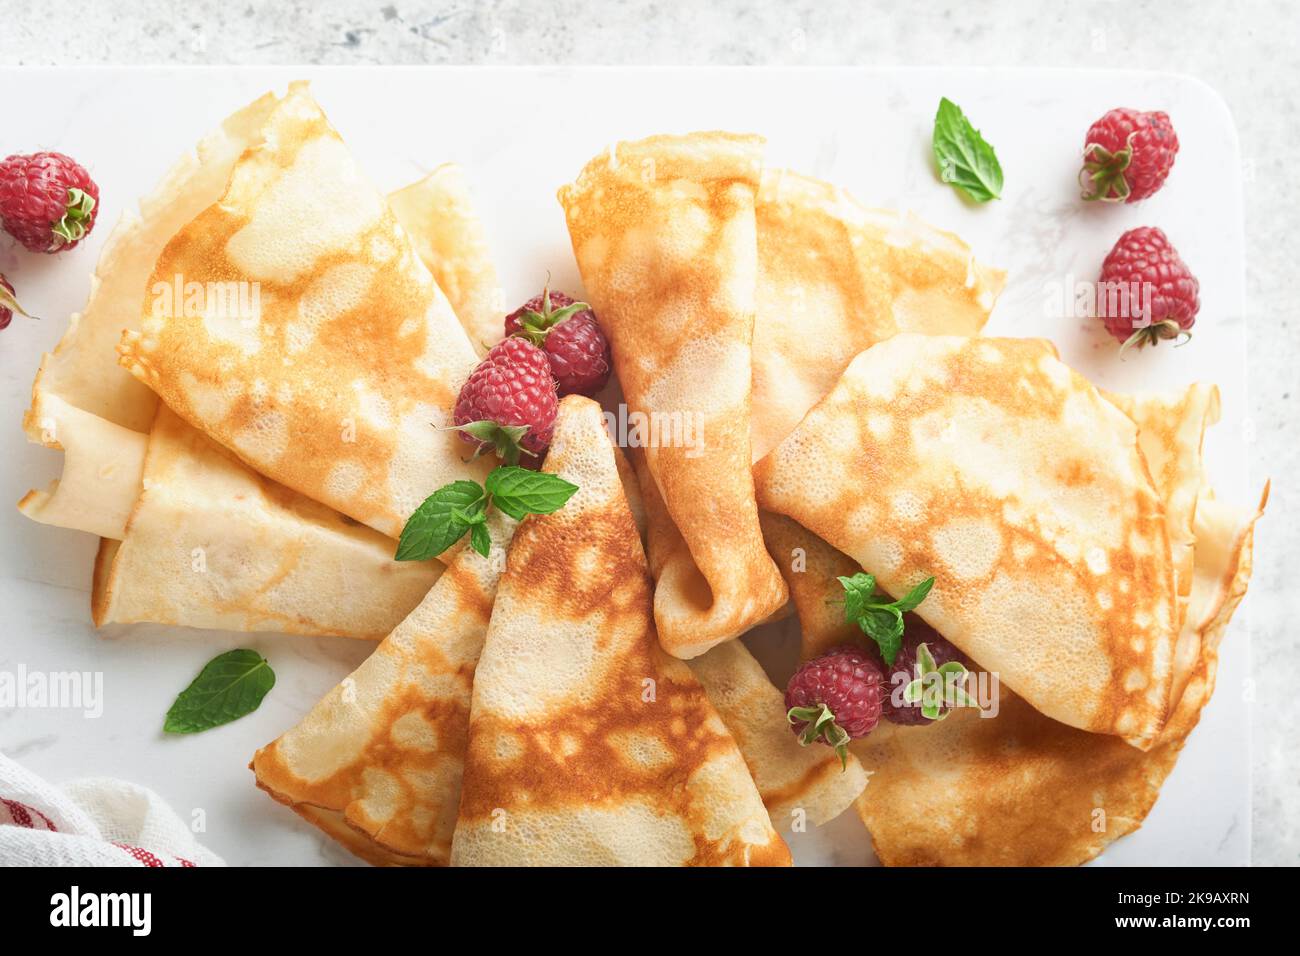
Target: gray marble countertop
x,y
1248,51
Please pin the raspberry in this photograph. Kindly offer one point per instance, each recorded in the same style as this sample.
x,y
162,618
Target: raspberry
x,y
47,201
916,632
572,338
508,403
835,698
1127,155
1146,292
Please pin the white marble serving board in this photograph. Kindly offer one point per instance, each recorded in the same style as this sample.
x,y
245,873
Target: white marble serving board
x,y
521,133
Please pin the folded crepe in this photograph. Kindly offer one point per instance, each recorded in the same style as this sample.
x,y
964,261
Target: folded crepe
x,y
790,778
210,543
990,465
83,402
793,780
271,559
438,214
293,323
665,238
836,277
377,763
587,743
1021,789
1171,427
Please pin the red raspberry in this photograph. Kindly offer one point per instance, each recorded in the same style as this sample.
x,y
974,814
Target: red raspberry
x,y
1146,292
508,403
571,336
1127,155
916,632
835,698
47,201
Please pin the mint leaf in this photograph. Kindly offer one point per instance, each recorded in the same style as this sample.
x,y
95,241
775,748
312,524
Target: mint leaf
x,y
440,521
880,618
520,492
479,539
912,600
965,160
858,591
886,630
229,686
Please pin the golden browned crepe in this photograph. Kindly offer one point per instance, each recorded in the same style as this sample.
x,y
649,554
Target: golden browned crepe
x,y
993,467
588,744
212,544
1020,788
83,403
377,763
793,780
438,214
664,234
1023,790
834,278
1171,427
789,777
337,372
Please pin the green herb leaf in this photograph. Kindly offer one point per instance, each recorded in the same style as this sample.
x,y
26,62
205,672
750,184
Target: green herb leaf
x,y
965,160
440,521
520,492
858,592
479,539
229,686
912,600
878,617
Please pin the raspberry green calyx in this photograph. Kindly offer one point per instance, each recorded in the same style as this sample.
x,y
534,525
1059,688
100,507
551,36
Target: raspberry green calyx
x,y
504,439
937,688
1155,333
72,227
821,726
535,326
1102,176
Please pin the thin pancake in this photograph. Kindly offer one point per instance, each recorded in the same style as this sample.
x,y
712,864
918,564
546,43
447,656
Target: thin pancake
x,y
792,779
664,234
83,403
588,744
1023,790
212,544
996,469
377,763
834,278
1020,788
438,214
349,357
1171,428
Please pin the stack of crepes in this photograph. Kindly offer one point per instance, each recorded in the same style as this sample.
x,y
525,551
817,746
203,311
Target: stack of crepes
x,y
251,404
1078,552
301,359
533,706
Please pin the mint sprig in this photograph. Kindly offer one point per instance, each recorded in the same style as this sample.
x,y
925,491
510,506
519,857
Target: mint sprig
x,y
966,160
439,522
229,686
880,618
463,505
